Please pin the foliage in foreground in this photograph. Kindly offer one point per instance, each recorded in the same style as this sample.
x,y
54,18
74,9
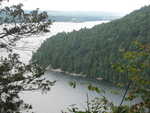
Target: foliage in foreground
x,y
16,76
102,105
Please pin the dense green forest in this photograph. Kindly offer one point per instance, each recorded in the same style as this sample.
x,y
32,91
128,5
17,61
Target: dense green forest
x,y
92,51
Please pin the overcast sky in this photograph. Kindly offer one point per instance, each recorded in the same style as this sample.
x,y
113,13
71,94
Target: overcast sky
x,y
121,6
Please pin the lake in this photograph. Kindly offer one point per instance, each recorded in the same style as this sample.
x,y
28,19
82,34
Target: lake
x,y
62,95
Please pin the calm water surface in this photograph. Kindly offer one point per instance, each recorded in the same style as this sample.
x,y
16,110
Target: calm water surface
x,y
61,95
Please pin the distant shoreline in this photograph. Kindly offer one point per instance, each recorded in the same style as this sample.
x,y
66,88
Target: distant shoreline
x,y
82,21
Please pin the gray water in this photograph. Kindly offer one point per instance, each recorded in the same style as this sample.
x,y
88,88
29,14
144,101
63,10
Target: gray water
x,y
62,94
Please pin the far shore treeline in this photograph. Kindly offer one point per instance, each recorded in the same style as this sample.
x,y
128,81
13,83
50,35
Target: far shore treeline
x,y
92,52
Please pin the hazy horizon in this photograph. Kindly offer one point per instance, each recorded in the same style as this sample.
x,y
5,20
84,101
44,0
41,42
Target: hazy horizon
x,y
114,6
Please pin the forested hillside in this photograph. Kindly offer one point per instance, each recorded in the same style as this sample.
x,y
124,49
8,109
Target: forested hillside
x,y
93,51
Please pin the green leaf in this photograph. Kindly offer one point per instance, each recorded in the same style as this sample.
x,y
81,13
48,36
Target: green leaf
x,y
72,84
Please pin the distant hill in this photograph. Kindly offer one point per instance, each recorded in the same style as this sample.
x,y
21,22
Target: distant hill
x,y
93,51
70,16
81,16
